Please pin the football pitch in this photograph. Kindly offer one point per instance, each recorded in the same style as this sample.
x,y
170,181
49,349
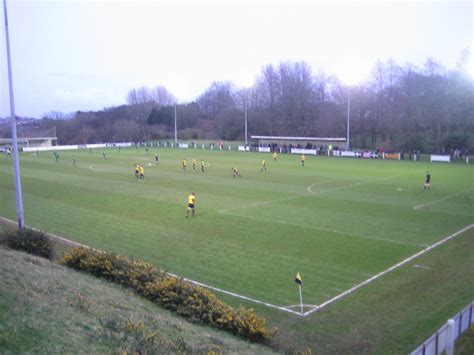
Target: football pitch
x,y
338,222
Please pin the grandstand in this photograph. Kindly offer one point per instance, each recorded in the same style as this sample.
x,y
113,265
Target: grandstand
x,y
285,143
299,140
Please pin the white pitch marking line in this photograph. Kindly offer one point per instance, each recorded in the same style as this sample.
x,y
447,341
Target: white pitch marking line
x,y
396,266
441,199
235,294
49,234
285,309
262,203
318,184
310,194
94,169
326,230
422,267
116,170
304,305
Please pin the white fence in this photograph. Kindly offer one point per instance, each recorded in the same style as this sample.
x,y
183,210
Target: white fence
x,y
75,147
353,154
443,339
304,151
442,158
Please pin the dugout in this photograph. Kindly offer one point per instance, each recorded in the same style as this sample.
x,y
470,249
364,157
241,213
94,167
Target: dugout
x,y
284,144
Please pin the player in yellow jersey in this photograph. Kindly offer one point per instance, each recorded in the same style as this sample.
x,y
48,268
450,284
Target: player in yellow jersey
x,y
302,160
275,156
142,172
191,204
184,163
137,171
194,165
235,172
202,165
264,165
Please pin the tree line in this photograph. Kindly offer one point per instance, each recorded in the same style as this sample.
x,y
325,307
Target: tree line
x,y
427,108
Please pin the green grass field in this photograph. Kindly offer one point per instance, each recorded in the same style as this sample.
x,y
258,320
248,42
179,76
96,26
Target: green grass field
x,y
336,221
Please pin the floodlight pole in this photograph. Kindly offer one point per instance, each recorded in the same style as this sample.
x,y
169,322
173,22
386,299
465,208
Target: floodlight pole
x,y
301,299
16,165
175,127
245,116
348,118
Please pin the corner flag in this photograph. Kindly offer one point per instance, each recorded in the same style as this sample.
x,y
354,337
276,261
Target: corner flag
x,y
298,279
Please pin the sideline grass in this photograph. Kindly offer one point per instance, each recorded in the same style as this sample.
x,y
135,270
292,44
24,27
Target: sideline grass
x,y
336,221
465,344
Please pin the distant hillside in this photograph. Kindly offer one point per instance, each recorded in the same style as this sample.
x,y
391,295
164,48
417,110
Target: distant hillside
x,y
47,308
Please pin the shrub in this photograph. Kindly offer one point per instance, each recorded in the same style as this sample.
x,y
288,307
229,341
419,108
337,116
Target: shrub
x,y
247,324
29,240
173,293
202,305
186,299
119,269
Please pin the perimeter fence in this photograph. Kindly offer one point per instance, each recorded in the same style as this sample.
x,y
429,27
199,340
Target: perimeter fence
x,y
443,340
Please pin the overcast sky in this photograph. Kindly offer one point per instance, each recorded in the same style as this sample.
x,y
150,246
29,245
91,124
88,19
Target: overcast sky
x,y
85,55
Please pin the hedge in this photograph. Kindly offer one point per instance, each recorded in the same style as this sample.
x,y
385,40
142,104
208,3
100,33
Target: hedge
x,y
30,241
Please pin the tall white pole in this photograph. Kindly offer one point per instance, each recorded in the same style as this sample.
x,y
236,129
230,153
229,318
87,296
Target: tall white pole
x,y
245,116
301,299
348,118
16,165
175,127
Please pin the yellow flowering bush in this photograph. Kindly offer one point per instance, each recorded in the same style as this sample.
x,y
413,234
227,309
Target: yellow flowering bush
x,y
173,293
119,269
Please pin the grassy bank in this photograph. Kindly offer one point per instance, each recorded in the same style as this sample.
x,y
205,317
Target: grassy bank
x,y
46,308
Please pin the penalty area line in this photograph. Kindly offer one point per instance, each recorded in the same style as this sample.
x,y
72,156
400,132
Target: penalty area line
x,y
310,193
194,282
441,199
380,274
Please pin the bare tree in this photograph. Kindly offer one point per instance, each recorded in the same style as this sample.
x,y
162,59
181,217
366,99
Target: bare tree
x,y
321,82
142,95
433,68
163,97
462,64
269,89
219,96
